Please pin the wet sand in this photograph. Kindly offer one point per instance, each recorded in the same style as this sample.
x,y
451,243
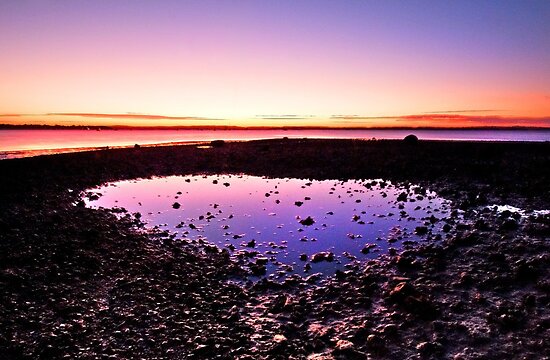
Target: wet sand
x,y
78,283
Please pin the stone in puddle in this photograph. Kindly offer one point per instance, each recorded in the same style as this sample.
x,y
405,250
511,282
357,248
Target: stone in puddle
x,y
421,230
307,221
322,256
402,197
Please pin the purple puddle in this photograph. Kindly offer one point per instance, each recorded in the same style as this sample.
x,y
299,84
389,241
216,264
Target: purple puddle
x,y
282,221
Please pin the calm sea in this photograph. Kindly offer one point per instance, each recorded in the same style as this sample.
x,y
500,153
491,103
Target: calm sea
x,y
24,143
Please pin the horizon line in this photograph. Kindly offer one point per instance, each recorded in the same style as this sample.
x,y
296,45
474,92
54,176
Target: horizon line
x,y
283,127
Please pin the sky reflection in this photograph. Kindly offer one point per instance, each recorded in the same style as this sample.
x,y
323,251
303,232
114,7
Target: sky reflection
x,y
282,221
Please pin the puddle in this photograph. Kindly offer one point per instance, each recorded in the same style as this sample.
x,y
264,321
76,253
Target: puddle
x,y
281,226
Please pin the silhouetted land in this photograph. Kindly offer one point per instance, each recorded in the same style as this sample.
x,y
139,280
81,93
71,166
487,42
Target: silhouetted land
x,y
78,283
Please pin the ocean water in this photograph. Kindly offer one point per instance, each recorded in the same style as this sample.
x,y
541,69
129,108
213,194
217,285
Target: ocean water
x,y
24,143
275,227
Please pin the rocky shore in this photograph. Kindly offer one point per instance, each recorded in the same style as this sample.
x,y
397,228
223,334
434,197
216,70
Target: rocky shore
x,y
80,283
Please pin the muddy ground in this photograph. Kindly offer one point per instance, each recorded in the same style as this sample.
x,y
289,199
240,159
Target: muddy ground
x,y
78,283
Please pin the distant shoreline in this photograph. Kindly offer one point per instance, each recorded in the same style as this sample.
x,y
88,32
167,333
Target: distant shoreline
x,y
218,127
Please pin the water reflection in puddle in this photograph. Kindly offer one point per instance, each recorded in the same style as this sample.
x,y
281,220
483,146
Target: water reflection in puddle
x,y
281,226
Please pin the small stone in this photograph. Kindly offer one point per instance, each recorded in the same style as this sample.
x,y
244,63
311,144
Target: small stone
x,y
217,143
261,261
307,221
279,338
390,330
320,356
509,225
344,345
401,291
421,230
402,197
375,342
322,256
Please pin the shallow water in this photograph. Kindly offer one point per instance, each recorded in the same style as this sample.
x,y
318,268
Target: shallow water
x,y
282,221
24,143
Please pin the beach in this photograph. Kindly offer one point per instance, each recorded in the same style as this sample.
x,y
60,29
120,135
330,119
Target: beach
x,y
83,283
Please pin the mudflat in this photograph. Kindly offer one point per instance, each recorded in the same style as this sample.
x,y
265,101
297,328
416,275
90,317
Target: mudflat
x,y
81,283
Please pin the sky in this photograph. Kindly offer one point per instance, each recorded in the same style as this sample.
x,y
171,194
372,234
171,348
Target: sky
x,y
275,63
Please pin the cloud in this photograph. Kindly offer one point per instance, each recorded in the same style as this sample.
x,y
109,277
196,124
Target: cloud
x,y
132,116
459,111
286,117
449,118
357,117
446,119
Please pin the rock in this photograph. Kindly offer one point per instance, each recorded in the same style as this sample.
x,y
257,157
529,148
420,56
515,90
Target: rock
x,y
421,307
466,239
303,257
261,261
257,269
389,330
322,256
279,304
421,230
429,348
279,338
410,139
402,197
367,247
509,225
401,291
298,203
217,143
319,331
344,345
375,342
320,356
346,349
307,221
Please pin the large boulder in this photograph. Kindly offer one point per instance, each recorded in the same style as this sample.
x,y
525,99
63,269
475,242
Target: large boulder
x,y
410,139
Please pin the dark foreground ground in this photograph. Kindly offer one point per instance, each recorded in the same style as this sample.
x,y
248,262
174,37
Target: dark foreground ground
x,y
78,283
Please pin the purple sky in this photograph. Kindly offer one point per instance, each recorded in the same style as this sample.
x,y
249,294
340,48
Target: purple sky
x,y
236,60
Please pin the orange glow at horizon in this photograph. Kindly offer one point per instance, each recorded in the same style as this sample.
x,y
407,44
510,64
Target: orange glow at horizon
x,y
147,120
